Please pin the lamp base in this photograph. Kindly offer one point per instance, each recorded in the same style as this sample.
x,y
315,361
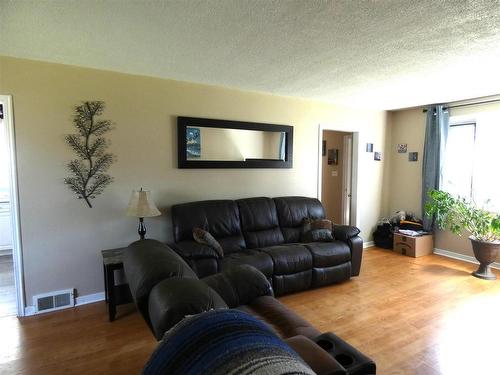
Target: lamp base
x,y
142,228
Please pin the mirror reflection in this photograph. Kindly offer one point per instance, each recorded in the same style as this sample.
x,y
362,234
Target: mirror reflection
x,y
221,144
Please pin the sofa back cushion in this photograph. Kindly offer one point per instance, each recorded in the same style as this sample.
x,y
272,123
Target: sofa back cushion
x,y
291,213
219,217
259,222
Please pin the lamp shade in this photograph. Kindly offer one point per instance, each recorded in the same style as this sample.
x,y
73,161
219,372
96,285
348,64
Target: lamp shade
x,y
141,205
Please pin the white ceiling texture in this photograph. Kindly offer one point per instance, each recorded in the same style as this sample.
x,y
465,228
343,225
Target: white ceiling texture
x,y
382,54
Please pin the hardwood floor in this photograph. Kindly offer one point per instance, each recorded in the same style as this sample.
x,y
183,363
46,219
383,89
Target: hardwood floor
x,y
412,316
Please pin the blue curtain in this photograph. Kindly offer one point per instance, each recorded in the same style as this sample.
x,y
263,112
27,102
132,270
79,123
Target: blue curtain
x,y
436,135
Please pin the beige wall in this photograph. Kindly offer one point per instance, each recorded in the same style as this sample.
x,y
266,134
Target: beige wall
x,y
331,189
62,238
408,126
406,177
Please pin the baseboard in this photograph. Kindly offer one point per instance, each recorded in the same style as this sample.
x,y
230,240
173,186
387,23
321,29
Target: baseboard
x,y
29,310
89,298
368,244
458,256
79,301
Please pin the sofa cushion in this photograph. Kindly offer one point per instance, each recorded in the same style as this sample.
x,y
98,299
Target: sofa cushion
x,y
259,222
291,213
219,217
327,254
257,259
239,285
204,267
319,230
289,259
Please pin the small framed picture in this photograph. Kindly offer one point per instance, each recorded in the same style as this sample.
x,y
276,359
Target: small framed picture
x,y
333,156
323,151
369,147
413,156
377,156
402,148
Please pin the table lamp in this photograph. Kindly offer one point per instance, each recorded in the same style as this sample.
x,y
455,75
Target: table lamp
x,y
141,205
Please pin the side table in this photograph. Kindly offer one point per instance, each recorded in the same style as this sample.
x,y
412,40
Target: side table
x,y
112,260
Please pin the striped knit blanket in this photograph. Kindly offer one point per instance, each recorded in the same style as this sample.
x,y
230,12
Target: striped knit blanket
x,y
223,342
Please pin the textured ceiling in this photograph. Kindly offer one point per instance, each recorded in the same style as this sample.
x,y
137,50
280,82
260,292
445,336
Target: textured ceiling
x,y
383,54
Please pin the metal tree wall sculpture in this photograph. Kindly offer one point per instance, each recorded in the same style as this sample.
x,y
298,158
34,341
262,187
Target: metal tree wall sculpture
x,y
89,176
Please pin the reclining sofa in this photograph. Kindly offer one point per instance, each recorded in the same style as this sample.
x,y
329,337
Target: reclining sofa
x,y
266,234
166,290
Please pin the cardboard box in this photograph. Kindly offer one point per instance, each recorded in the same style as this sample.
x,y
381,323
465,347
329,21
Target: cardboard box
x,y
413,246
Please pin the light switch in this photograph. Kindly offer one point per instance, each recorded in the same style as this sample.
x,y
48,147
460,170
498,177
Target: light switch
x,y
334,174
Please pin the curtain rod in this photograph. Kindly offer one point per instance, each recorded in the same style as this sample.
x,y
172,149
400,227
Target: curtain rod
x,y
468,104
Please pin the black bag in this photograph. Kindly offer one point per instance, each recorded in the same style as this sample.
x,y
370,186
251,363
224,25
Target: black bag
x,y
383,236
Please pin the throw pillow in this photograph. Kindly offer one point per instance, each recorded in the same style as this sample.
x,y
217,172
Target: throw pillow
x,y
319,230
205,238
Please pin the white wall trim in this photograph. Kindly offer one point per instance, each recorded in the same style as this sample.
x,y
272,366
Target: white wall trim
x,y
368,244
17,248
29,310
458,256
89,298
79,301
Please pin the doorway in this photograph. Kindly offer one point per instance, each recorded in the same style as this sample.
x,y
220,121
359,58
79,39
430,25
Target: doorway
x,y
11,296
336,182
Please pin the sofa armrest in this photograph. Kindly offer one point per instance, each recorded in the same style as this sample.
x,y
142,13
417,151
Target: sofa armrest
x,y
172,300
239,285
146,263
194,250
320,361
344,232
349,235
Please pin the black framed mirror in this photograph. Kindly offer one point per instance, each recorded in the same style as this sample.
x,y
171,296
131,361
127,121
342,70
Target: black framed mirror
x,y
209,143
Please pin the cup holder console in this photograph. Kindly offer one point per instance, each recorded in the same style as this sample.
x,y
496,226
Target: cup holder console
x,y
325,344
353,361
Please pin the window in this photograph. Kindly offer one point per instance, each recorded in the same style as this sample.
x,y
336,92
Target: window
x,y
471,162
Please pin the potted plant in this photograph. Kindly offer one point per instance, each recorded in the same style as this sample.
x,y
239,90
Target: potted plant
x,y
457,215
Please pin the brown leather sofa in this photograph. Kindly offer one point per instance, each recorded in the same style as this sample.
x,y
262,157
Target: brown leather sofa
x,y
166,290
266,234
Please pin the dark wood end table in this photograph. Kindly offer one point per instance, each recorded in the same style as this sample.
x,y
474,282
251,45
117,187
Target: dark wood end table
x,y
112,260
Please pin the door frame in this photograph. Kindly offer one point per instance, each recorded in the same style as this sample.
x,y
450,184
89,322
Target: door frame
x,y
346,171
14,200
354,172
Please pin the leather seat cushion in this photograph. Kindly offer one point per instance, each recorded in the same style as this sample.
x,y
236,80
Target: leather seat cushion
x,y
285,322
327,254
257,259
204,267
289,259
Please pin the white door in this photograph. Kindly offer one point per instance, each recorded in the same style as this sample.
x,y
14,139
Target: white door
x,y
347,180
5,215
